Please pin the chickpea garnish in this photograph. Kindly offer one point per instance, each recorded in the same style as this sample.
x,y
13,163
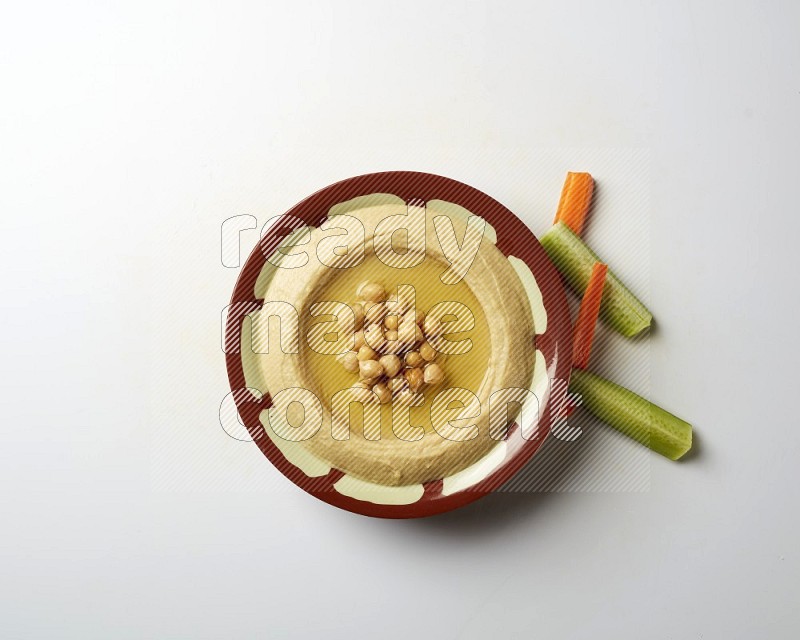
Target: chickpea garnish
x,y
350,362
415,378
375,313
367,353
391,364
414,359
383,393
371,292
358,312
398,383
374,337
370,369
391,353
427,352
433,374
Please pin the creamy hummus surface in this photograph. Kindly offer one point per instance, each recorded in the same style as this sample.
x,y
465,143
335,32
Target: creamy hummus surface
x,y
327,264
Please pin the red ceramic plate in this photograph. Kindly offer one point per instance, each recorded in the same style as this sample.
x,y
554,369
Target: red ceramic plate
x,y
552,341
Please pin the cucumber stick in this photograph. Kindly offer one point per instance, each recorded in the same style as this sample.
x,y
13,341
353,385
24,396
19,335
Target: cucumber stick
x,y
620,308
634,416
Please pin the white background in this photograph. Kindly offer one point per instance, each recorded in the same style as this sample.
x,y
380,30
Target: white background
x,y
129,131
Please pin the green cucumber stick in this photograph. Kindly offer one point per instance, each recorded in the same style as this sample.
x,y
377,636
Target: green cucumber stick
x,y
631,414
574,260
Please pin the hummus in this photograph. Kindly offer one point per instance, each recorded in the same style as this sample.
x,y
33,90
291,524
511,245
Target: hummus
x,y
317,265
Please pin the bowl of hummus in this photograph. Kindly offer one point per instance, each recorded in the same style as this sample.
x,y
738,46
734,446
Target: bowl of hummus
x,y
398,344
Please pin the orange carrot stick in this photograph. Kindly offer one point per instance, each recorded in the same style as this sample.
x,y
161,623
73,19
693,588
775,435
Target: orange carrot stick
x,y
587,316
576,196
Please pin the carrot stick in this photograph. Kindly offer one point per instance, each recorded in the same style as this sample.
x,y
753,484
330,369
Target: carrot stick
x,y
587,316
576,196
